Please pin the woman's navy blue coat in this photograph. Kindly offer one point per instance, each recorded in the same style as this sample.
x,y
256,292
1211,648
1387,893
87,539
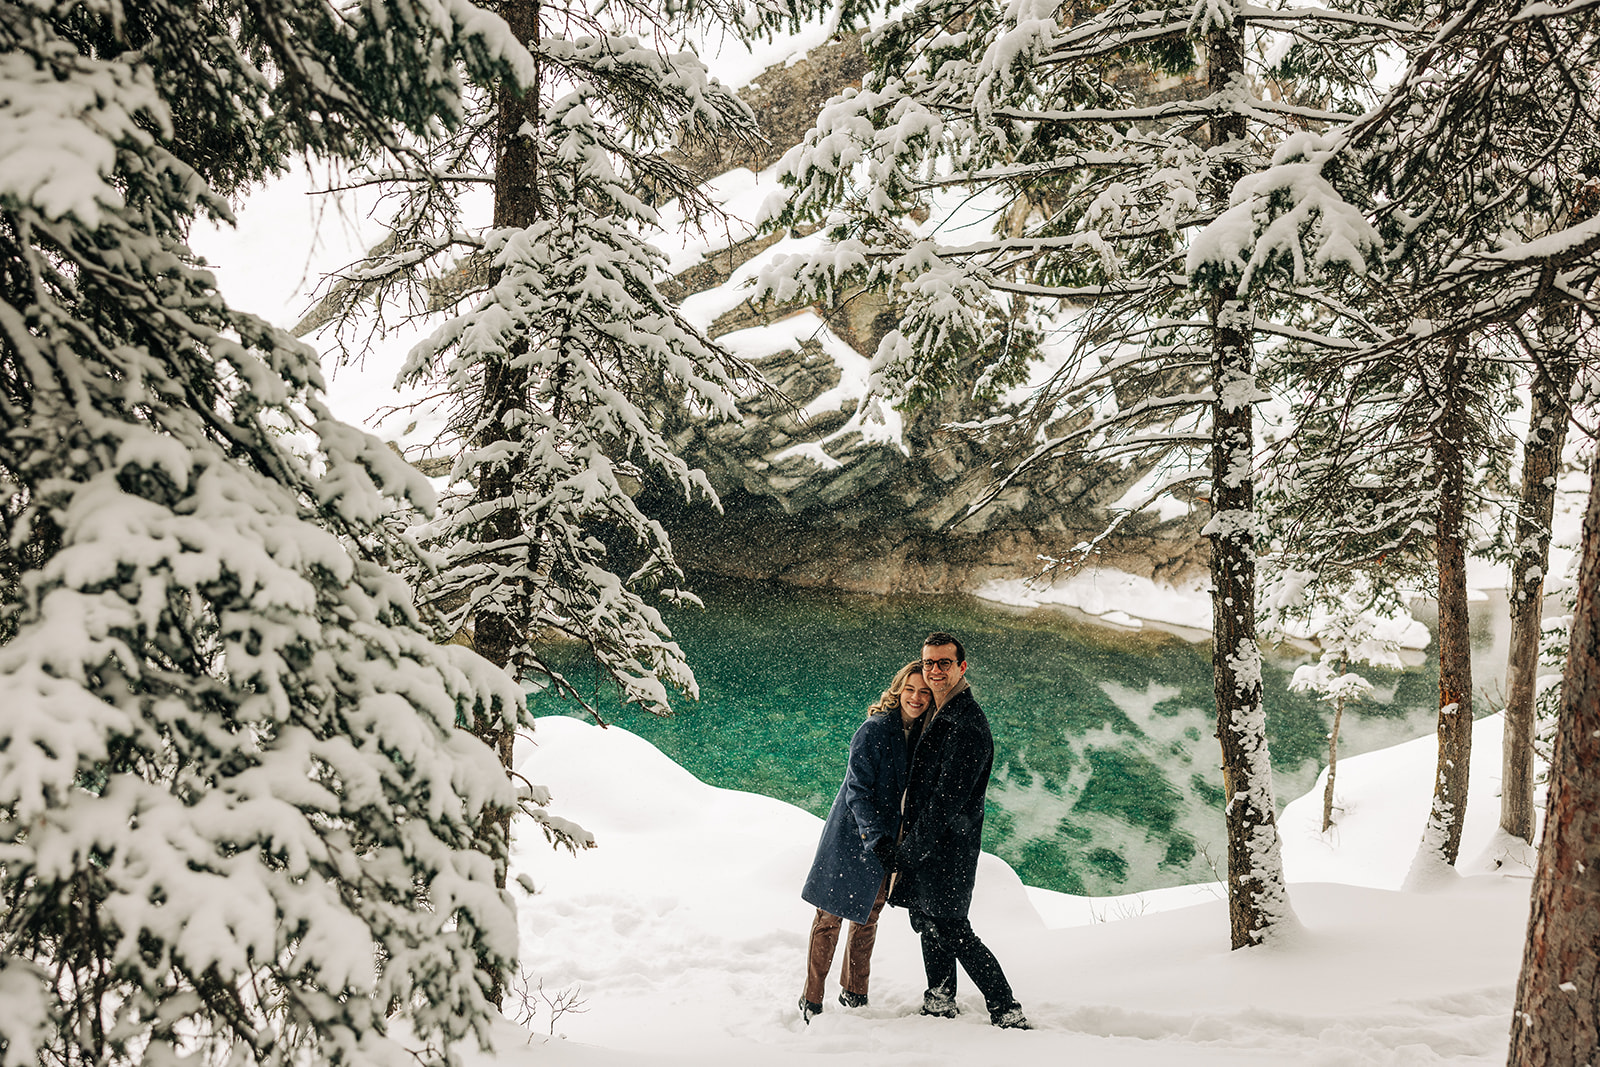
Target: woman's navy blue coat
x,y
845,875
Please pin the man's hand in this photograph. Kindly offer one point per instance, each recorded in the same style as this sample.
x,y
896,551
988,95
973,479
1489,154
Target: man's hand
x,y
884,849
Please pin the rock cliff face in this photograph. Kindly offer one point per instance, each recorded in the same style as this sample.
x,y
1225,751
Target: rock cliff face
x,y
817,493
817,502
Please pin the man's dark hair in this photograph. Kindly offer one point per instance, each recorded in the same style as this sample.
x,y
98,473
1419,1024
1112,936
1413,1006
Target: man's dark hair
x,y
939,637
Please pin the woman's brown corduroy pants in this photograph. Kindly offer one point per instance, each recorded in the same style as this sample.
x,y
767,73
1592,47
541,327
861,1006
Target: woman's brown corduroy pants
x,y
857,950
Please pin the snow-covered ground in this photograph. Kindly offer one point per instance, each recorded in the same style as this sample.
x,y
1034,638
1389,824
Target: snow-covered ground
x,y
683,935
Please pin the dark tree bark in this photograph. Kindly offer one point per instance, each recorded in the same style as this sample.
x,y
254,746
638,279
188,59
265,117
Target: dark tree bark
x,y
1257,898
1557,1017
499,628
1541,462
516,172
1442,838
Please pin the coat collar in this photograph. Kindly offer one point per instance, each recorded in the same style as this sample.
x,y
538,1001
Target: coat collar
x,y
961,687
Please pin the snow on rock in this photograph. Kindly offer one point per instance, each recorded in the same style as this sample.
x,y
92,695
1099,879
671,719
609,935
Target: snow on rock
x,y
1112,596
738,193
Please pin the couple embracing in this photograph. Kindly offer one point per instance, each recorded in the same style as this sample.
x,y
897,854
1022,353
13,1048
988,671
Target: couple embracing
x,y
906,829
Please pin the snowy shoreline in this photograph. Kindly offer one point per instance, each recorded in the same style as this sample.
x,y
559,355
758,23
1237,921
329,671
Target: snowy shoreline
x,y
1106,596
1112,597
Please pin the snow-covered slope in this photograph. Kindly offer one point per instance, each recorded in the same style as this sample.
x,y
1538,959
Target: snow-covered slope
x,y
683,934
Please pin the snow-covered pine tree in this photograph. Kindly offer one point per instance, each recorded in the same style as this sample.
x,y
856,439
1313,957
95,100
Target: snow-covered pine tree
x,y
1483,159
1358,624
1019,112
560,363
1555,636
237,819
1558,337
560,360
1380,480
1489,139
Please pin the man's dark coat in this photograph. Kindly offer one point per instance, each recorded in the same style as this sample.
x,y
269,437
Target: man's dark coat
x,y
944,811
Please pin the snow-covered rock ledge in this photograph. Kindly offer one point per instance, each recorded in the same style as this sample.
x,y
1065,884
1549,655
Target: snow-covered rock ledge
x,y
1114,597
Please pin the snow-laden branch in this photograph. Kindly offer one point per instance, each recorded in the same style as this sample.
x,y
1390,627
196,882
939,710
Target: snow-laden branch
x,y
1266,15
1287,219
1225,103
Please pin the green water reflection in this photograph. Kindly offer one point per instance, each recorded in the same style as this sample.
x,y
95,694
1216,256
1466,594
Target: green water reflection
x,y
1106,776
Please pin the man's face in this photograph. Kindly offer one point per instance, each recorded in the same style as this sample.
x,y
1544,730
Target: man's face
x,y
942,671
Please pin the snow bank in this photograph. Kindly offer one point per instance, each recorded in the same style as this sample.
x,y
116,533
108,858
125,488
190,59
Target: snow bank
x,y
1372,842
683,934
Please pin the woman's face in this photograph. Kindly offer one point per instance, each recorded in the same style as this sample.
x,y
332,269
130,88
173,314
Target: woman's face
x,y
915,697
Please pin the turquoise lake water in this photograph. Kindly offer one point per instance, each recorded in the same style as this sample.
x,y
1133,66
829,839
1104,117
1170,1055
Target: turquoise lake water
x,y
1106,772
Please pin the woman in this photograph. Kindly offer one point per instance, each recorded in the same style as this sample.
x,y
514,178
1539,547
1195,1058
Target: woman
x,y
847,879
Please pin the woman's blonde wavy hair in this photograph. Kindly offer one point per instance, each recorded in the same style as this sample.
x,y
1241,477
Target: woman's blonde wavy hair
x,y
890,701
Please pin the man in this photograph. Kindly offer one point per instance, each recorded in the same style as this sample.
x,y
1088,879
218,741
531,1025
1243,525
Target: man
x,y
936,862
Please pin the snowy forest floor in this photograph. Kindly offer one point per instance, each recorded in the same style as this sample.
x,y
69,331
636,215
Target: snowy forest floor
x,y
682,936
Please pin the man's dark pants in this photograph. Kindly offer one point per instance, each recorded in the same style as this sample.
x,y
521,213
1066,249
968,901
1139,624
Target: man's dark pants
x,y
948,940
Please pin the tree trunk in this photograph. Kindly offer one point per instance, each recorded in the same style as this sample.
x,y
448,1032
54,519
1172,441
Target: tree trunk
x,y
499,628
1442,838
1541,461
1257,900
1333,764
516,172
1557,1017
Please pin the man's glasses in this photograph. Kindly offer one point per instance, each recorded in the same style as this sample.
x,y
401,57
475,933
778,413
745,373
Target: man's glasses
x,y
938,664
